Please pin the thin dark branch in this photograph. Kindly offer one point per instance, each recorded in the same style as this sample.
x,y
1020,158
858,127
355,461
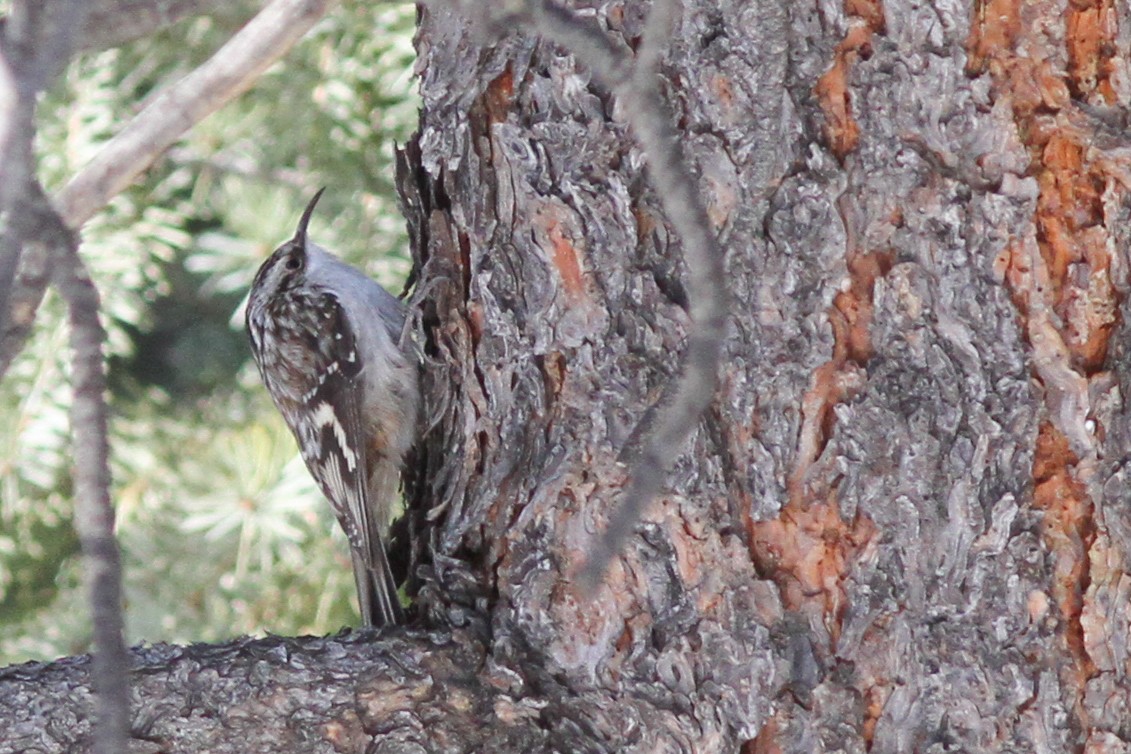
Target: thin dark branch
x,y
24,291
94,513
709,304
111,23
19,296
38,244
34,50
37,43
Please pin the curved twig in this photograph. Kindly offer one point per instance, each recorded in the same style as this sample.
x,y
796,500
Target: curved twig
x,y
635,84
229,72
648,116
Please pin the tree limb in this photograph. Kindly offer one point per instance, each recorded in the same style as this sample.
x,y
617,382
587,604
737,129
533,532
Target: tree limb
x,y
412,691
94,512
37,43
17,303
228,73
383,690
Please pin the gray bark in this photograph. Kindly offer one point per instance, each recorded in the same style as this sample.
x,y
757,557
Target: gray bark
x,y
902,525
412,692
899,527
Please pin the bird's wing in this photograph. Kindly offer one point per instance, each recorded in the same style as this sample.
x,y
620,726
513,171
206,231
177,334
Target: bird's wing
x,y
335,447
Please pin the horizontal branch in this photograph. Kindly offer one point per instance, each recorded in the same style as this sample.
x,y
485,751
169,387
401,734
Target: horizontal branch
x,y
408,690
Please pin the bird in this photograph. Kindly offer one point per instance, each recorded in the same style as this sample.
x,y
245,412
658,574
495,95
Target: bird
x,y
328,343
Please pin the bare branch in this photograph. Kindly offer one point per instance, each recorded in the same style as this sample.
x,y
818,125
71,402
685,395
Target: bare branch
x,y
17,129
395,691
46,34
21,68
39,244
399,690
228,73
23,291
37,44
94,514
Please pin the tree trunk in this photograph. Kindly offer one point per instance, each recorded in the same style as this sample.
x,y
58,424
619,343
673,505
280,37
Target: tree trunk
x,y
902,525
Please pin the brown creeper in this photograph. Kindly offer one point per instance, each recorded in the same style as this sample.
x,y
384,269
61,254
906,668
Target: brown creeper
x,y
327,340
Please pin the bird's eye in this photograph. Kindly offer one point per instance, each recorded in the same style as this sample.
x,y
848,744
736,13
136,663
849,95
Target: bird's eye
x,y
293,263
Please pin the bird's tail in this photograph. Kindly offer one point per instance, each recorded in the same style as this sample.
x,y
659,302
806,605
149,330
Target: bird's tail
x,y
376,590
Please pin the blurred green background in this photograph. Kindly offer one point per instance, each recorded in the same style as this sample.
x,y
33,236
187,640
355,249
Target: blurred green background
x,y
222,531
